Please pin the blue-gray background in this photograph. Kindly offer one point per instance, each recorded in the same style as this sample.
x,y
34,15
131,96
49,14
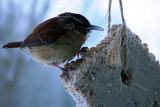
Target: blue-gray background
x,y
26,83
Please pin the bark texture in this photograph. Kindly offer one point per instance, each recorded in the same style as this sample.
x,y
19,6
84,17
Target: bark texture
x,y
100,79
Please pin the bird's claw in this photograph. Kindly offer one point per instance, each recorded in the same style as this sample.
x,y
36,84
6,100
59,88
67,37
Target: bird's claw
x,y
65,70
82,50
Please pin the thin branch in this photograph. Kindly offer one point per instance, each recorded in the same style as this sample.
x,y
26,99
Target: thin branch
x,y
109,15
124,36
121,9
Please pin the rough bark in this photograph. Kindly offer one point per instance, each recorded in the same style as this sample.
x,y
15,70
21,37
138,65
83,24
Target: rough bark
x,y
100,79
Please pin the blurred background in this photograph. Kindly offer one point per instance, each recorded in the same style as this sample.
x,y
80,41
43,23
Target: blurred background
x,y
26,83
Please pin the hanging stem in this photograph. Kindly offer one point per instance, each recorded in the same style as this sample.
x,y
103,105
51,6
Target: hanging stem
x,y
121,9
109,16
124,38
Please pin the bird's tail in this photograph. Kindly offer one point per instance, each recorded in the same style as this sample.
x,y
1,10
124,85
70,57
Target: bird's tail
x,y
12,45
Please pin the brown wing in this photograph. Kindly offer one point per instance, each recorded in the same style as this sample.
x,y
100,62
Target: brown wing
x,y
46,32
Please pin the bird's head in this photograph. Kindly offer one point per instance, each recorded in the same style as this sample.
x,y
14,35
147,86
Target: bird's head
x,y
77,22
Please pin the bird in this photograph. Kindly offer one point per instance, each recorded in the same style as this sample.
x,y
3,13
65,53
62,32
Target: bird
x,y
56,40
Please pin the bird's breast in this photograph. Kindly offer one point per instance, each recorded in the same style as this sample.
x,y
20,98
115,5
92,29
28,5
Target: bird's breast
x,y
65,48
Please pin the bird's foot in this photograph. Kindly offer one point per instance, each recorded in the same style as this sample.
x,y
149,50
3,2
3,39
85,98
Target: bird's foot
x,y
65,70
82,50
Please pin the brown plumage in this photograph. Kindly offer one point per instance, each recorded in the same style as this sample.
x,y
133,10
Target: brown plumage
x,y
12,45
56,40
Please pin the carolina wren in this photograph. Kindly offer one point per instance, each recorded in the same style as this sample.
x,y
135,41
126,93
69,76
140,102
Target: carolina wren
x,y
56,40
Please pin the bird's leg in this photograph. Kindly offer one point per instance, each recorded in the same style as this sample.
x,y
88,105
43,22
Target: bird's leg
x,y
65,70
82,50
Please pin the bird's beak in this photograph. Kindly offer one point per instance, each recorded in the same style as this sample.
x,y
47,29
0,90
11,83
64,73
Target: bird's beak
x,y
93,27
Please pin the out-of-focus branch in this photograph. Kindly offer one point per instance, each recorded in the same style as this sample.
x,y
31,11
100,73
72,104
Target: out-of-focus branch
x,y
10,64
99,79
